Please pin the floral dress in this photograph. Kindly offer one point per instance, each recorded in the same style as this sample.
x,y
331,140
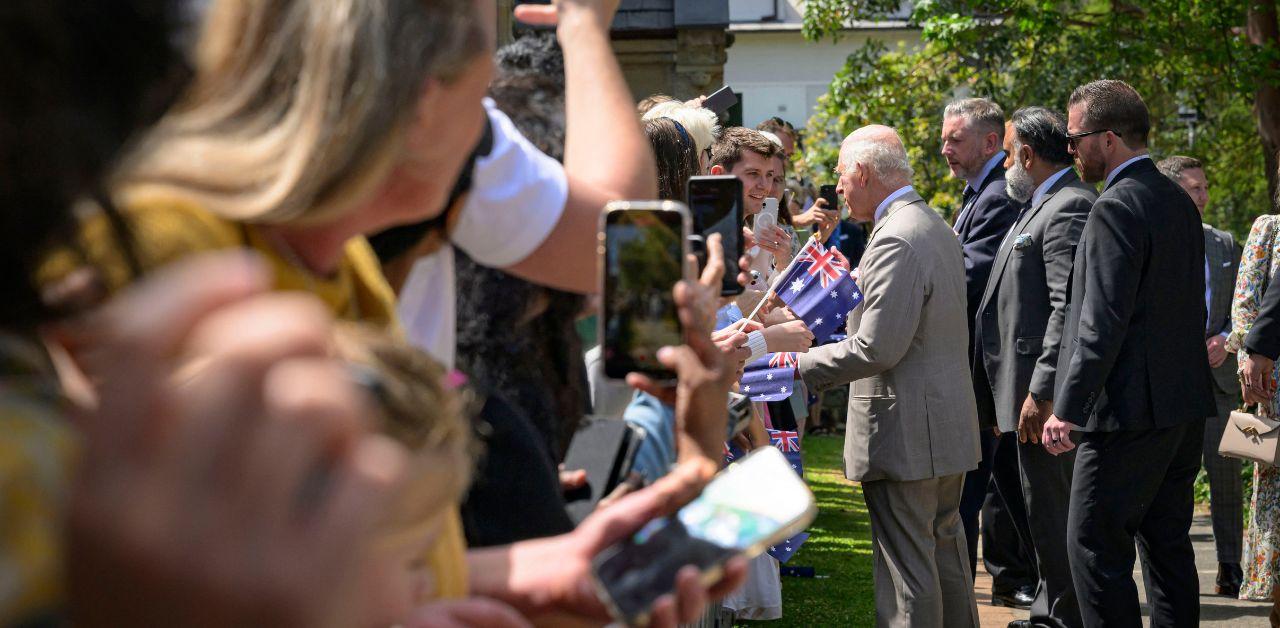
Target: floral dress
x,y
1262,538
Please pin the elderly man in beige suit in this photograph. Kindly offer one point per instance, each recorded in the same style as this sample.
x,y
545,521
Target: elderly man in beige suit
x,y
912,431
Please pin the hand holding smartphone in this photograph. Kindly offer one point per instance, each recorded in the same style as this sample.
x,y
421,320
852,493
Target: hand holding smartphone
x,y
750,505
715,203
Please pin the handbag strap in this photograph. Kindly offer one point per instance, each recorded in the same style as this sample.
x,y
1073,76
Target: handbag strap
x,y
1263,409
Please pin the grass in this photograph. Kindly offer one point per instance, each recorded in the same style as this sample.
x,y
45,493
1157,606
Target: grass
x,y
839,548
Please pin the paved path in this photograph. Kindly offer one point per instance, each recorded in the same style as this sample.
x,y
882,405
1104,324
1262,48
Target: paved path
x,y
1214,610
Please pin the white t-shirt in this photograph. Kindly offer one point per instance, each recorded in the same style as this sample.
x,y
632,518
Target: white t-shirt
x,y
517,196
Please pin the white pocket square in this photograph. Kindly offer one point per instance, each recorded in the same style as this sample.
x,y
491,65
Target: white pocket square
x,y
1022,241
1226,264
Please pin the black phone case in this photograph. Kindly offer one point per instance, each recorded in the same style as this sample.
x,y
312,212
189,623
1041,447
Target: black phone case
x,y
605,449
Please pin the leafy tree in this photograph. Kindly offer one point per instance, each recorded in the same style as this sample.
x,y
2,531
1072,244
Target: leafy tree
x,y
1220,58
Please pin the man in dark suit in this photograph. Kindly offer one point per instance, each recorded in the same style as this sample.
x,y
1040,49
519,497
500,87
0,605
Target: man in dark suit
x,y
1222,258
1019,326
1133,373
973,132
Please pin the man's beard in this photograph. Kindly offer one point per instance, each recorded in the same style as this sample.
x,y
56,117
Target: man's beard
x,y
1018,183
1093,168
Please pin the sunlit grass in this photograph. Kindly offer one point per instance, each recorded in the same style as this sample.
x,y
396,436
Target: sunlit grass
x,y
839,549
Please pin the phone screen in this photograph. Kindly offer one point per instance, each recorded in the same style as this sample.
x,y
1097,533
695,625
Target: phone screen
x,y
753,503
643,261
716,204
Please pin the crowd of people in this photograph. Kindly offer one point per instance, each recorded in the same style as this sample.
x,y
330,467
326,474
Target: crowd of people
x,y
293,334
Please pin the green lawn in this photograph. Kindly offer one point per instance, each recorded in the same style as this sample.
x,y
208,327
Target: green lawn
x,y
839,548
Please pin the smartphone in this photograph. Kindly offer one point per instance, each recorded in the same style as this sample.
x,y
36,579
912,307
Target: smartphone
x,y
739,414
828,192
752,504
642,252
716,205
606,450
721,100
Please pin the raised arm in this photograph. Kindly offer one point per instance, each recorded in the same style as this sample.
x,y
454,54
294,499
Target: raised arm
x,y
606,155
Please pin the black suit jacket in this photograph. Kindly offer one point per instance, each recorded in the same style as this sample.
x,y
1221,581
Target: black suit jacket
x,y
981,227
1133,354
1024,307
1264,336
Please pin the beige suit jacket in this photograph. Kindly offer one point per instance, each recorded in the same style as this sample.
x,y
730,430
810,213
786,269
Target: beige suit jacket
x,y
912,414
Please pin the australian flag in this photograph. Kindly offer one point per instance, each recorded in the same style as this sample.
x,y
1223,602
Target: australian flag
x,y
788,442
819,289
771,378
784,550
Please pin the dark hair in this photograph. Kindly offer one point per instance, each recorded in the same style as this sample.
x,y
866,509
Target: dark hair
x,y
983,113
726,152
1174,165
1045,131
80,78
529,88
1114,105
676,154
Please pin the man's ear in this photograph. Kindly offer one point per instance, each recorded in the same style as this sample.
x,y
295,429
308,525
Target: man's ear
x,y
717,170
1026,155
995,143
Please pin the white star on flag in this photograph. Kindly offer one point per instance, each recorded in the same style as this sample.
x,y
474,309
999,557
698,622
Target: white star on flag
x,y
833,294
746,388
768,376
784,389
797,286
817,321
838,315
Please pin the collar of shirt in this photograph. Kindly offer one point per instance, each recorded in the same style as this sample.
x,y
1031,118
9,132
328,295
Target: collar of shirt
x,y
1048,183
884,205
975,184
1115,173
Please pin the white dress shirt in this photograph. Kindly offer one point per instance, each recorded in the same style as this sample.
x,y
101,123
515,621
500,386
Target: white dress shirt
x,y
1115,173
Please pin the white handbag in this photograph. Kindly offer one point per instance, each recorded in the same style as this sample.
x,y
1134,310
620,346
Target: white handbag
x,y
1251,436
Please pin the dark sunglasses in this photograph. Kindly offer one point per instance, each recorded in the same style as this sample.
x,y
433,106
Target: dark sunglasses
x,y
1073,140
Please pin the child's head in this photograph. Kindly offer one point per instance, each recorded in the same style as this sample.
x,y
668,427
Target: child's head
x,y
416,408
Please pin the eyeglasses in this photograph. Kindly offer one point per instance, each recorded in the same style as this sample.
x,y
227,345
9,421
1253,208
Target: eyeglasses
x,y
1073,140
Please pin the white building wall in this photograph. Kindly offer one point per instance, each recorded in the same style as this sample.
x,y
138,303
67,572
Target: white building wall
x,y
779,72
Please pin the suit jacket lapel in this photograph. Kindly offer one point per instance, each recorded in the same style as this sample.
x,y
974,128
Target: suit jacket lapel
x,y
1006,246
1216,255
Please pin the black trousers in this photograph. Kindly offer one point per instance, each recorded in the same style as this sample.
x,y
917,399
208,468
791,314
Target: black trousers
x,y
1127,485
1045,487
1006,557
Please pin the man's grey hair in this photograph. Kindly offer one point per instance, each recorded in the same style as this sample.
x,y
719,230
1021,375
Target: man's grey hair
x,y
980,113
1173,167
887,161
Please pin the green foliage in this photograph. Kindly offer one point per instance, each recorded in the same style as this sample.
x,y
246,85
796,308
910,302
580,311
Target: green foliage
x,y
1188,53
839,548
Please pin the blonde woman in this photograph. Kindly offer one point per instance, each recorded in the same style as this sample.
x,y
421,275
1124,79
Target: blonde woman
x,y
310,124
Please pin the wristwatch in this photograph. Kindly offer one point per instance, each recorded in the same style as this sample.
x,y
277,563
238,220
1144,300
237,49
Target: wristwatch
x,y
1037,398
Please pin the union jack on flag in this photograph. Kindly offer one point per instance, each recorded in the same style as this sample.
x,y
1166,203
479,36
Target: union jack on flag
x,y
826,264
782,360
786,441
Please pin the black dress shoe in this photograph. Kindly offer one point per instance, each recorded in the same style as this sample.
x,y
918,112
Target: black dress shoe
x,y
1020,597
1230,576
